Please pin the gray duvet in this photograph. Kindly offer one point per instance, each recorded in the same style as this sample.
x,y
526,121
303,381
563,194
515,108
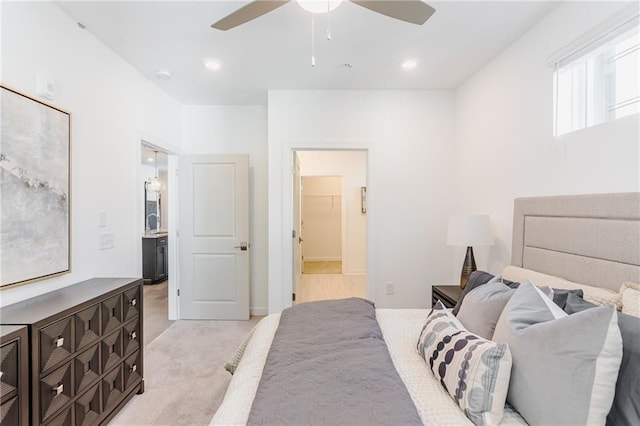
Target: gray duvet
x,y
329,365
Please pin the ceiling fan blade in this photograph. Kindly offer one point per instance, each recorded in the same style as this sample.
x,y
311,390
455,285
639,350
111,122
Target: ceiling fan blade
x,y
413,11
247,13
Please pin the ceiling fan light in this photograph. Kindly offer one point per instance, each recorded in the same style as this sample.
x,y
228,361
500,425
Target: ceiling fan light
x,y
319,6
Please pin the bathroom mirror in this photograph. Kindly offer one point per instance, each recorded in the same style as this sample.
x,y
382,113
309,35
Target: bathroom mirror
x,y
151,210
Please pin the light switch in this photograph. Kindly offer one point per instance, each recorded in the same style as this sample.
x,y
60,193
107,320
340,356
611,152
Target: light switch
x,y
102,219
106,240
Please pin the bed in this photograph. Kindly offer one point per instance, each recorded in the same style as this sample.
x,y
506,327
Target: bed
x,y
584,248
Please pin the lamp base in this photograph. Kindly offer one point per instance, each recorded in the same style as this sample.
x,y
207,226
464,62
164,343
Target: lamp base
x,y
468,267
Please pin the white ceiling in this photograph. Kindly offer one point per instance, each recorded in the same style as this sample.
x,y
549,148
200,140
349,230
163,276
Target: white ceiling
x,y
274,51
148,158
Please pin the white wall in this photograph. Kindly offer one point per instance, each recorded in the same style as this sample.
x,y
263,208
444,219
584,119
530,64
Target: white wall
x,y
321,218
409,136
505,147
112,108
352,166
238,130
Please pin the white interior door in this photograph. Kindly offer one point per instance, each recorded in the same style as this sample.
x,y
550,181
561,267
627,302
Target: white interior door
x,y
297,228
214,236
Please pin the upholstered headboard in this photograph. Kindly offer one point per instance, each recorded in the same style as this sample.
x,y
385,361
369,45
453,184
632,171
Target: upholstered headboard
x,y
587,239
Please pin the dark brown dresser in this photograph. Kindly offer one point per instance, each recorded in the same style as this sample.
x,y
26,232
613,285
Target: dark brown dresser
x,y
85,350
14,369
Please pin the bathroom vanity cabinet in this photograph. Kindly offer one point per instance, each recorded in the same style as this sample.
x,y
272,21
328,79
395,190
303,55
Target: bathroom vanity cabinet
x,y
155,259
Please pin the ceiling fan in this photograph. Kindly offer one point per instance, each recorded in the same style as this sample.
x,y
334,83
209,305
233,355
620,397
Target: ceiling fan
x,y
412,11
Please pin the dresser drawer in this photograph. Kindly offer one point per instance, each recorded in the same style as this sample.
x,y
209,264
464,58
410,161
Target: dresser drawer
x,y
9,370
131,337
111,314
88,407
10,412
111,349
131,303
132,373
87,368
65,418
55,343
56,390
87,326
112,388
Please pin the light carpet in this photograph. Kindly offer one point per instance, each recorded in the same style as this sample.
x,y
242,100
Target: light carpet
x,y
184,374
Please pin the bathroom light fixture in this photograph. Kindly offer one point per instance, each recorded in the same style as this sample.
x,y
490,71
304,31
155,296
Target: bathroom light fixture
x,y
409,64
212,64
154,184
319,6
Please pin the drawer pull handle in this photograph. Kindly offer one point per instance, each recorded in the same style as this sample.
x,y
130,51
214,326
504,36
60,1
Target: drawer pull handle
x,y
58,390
133,302
134,368
133,335
59,342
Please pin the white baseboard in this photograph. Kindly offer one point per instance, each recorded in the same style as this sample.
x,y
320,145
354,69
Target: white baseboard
x,y
259,311
322,259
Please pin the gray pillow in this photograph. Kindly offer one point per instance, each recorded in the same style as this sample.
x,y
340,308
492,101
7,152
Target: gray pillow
x,y
564,366
482,307
626,404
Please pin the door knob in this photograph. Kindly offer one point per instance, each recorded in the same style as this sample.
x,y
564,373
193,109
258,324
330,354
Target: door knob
x,y
243,246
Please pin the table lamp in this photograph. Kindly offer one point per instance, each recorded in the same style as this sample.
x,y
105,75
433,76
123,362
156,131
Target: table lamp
x,y
469,231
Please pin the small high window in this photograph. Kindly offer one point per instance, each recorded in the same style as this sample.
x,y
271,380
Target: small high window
x,y
597,79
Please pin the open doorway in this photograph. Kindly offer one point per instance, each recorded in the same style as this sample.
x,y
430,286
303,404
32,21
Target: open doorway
x,y
330,236
155,239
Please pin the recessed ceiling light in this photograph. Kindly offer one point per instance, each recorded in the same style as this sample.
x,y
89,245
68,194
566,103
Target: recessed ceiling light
x,y
150,160
409,64
163,74
212,64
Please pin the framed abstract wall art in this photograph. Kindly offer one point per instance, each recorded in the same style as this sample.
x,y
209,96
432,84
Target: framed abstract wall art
x,y
35,185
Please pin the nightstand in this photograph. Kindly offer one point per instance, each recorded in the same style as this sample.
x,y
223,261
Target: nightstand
x,y
447,294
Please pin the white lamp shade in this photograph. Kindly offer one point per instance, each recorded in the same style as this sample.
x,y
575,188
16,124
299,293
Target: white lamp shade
x,y
469,231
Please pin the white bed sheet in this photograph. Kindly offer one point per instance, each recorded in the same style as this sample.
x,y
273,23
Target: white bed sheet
x,y
400,327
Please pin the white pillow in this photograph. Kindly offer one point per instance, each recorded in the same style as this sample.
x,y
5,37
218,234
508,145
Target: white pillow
x,y
565,367
473,370
595,295
631,298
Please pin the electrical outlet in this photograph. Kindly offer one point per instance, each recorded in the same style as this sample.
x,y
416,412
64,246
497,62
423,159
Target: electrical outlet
x,y
390,286
106,240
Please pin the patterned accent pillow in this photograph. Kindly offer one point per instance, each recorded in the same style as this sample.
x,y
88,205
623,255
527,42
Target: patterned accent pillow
x,y
473,370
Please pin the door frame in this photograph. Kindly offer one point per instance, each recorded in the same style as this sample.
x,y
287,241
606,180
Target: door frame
x,y
172,152
280,241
